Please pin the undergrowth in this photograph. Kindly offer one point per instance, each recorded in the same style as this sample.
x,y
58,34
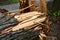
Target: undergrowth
x,y
54,13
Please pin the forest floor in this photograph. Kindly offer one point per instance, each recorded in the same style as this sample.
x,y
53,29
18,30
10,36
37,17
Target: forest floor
x,y
55,27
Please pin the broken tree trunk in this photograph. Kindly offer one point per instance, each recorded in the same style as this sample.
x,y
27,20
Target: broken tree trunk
x,y
33,8
23,4
26,16
26,19
22,34
29,23
42,6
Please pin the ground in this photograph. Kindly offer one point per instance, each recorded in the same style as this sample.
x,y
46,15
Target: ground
x,y
55,27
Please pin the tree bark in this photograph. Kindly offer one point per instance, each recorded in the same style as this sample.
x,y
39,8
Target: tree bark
x,y
23,4
33,8
43,6
56,5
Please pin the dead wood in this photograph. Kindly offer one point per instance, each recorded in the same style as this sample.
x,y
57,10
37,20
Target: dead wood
x,y
25,25
23,4
26,16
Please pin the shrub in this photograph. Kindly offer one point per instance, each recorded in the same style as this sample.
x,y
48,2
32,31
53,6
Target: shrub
x,y
54,13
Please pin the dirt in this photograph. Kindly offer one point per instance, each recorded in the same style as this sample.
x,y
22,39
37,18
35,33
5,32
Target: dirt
x,y
55,27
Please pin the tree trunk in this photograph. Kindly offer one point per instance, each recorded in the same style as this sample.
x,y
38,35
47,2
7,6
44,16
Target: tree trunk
x,y
23,4
33,8
56,5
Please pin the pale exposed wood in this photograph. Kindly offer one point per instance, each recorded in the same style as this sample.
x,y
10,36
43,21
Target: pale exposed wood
x,y
26,16
23,18
30,23
32,18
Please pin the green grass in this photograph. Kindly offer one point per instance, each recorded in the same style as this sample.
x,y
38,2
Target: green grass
x,y
10,2
54,13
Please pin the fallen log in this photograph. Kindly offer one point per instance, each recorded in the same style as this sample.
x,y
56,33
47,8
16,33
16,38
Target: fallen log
x,y
34,17
27,24
21,34
23,18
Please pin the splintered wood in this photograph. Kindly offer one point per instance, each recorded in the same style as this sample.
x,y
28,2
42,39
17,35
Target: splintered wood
x,y
33,8
28,15
23,4
32,16
27,20
42,7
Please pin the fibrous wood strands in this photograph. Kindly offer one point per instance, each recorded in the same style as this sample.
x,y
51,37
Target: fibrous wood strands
x,y
23,4
30,28
28,19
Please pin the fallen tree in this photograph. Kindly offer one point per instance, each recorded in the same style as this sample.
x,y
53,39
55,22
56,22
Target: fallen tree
x,y
25,20
28,26
29,23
